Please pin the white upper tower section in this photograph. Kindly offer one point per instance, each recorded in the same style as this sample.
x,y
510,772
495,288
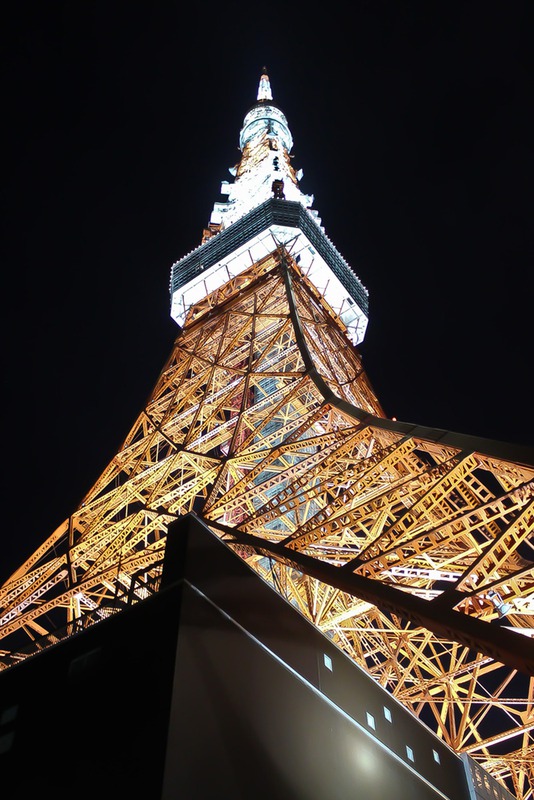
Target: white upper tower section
x,y
265,168
265,210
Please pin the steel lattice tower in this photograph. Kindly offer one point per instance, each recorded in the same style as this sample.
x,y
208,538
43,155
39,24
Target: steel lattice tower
x,y
410,547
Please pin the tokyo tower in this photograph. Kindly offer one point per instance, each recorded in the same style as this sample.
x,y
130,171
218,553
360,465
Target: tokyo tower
x,y
410,547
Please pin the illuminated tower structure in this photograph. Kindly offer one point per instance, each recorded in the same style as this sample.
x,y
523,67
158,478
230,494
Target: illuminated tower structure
x,y
409,547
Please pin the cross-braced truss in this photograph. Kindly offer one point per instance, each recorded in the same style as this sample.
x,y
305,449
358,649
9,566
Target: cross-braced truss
x,y
410,548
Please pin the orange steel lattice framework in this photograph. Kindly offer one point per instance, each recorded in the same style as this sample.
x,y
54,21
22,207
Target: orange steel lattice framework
x,y
410,548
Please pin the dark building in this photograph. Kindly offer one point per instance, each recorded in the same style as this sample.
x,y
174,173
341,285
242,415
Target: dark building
x,y
215,687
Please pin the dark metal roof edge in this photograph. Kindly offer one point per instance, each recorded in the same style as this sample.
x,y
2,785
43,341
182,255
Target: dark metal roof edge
x,y
515,453
492,448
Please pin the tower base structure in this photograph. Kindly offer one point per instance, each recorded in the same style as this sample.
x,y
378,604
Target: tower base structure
x,y
215,687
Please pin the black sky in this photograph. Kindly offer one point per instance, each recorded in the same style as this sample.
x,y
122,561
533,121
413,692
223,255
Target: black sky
x,y
412,124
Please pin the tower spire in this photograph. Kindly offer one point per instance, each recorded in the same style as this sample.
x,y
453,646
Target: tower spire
x,y
265,169
264,89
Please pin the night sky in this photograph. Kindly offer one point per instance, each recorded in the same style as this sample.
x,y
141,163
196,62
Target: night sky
x,y
412,125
